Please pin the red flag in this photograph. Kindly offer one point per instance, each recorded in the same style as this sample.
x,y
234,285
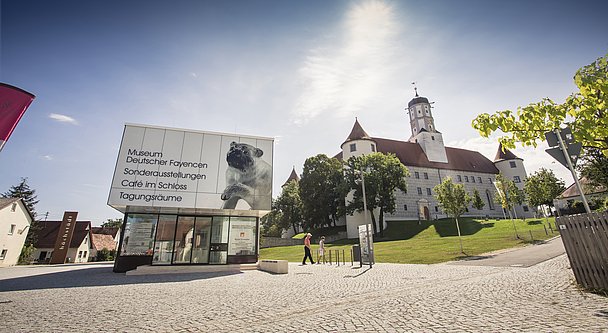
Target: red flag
x,y
13,103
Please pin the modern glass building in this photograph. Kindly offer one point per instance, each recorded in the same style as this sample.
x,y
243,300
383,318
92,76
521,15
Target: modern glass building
x,y
190,197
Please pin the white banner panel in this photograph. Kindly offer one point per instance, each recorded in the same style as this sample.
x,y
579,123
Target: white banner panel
x,y
176,168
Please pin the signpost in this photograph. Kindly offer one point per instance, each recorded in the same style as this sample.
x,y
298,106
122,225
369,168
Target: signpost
x,y
366,245
566,151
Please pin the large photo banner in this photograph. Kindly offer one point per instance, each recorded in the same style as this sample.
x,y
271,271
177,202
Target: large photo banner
x,y
166,167
13,104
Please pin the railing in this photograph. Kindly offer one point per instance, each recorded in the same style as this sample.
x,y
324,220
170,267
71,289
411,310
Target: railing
x,y
585,238
336,257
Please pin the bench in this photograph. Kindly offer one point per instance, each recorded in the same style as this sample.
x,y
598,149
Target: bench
x,y
273,266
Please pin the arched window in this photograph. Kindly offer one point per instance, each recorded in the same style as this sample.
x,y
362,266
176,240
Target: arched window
x,y
490,201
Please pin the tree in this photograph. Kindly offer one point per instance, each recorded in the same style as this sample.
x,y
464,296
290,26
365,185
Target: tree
x,y
23,191
112,223
384,174
587,110
594,167
477,201
28,195
543,187
453,200
290,206
320,190
271,223
508,194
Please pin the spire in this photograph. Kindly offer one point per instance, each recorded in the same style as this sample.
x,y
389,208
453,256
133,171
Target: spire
x,y
357,133
292,177
415,88
504,154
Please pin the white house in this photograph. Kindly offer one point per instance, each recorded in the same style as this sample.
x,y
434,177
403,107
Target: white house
x,y
80,247
15,221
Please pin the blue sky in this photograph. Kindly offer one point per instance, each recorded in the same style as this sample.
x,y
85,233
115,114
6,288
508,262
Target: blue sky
x,y
299,71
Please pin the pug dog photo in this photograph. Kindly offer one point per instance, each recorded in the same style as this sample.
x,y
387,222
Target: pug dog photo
x,y
248,177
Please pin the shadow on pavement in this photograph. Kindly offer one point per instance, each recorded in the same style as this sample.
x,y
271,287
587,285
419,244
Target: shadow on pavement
x,y
95,277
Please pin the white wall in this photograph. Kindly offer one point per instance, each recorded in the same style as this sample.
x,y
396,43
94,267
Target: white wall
x,y
13,243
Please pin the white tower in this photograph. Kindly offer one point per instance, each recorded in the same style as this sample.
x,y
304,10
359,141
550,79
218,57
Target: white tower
x,y
512,168
423,129
358,143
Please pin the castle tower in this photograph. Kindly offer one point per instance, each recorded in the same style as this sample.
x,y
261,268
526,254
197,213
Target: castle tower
x,y
424,131
512,168
358,143
292,177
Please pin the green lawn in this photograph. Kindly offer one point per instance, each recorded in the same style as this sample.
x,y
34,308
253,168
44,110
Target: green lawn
x,y
433,241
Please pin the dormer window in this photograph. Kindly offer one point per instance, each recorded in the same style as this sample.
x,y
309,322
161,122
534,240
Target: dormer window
x,y
353,147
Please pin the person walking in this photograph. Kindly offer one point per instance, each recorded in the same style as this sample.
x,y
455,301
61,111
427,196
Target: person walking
x,y
321,250
307,253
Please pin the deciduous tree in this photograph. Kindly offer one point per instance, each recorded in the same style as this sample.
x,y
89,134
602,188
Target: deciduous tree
x,y
290,206
453,200
383,174
320,190
542,187
585,111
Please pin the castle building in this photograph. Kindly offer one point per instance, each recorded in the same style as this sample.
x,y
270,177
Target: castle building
x,y
430,162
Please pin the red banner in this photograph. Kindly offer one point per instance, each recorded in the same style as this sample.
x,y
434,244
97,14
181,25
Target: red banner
x,y
13,103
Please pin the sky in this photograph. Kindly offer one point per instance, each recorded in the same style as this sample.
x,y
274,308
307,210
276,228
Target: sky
x,y
297,71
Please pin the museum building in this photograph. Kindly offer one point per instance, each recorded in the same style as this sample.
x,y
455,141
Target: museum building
x,y
190,197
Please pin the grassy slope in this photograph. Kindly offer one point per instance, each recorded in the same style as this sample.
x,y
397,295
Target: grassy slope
x,y
433,241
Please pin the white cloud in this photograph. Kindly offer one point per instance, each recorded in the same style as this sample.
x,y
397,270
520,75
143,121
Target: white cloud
x,y
63,118
48,157
346,76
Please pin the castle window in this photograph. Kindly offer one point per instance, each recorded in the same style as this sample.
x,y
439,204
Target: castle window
x,y
432,137
479,178
353,147
525,208
512,164
419,190
417,174
404,207
490,180
459,178
373,148
516,179
426,175
472,179
466,179
436,209
490,201
428,191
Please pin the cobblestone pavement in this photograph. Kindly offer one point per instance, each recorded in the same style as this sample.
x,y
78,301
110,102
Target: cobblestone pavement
x,y
311,298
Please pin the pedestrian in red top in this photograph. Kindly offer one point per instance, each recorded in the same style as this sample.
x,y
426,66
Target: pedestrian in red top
x,y
307,253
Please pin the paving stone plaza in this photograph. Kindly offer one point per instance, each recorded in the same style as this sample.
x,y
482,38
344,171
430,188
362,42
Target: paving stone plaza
x,y
311,298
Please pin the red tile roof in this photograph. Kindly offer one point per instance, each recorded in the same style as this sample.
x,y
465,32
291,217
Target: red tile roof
x,y
102,241
104,231
292,176
504,154
411,154
572,190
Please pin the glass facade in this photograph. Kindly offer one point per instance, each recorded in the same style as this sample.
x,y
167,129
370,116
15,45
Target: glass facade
x,y
177,239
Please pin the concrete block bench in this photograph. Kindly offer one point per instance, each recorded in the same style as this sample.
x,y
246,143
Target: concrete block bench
x,y
274,266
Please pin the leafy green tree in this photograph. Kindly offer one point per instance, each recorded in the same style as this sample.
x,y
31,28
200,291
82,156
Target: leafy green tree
x,y
453,200
28,195
508,194
384,174
585,111
594,167
477,200
543,187
320,191
271,223
290,206
112,223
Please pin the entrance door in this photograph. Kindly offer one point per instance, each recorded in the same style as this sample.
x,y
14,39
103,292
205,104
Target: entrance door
x,y
202,238
163,243
427,215
219,240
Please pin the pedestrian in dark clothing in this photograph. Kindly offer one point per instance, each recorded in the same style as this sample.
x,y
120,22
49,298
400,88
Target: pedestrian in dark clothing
x,y
307,253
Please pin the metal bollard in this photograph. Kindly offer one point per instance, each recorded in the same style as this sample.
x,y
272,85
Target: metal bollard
x,y
531,237
330,257
338,258
343,261
546,232
351,257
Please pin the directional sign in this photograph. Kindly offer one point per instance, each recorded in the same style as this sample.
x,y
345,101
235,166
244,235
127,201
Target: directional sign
x,y
574,151
565,133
